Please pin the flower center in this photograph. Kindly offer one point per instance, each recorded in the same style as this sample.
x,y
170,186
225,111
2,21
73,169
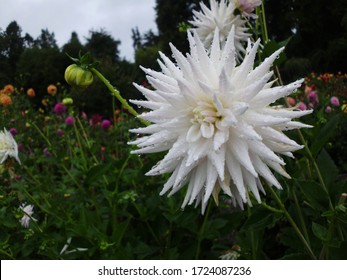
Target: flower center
x,y
206,118
205,113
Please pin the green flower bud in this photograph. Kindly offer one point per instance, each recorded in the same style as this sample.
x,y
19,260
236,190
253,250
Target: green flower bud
x,y
67,101
78,77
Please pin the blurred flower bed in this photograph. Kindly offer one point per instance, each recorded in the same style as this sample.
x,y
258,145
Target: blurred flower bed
x,y
79,193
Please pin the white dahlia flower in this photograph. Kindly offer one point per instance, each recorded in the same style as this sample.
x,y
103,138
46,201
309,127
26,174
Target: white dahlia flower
x,y
220,16
8,146
216,122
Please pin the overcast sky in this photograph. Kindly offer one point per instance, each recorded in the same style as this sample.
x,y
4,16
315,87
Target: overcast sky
x,y
117,17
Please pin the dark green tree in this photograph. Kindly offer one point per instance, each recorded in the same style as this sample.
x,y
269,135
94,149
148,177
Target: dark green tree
x,y
74,46
46,40
101,45
11,48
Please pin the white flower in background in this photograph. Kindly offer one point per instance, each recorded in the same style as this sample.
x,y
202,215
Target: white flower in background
x,y
66,246
8,146
247,7
216,122
28,211
220,16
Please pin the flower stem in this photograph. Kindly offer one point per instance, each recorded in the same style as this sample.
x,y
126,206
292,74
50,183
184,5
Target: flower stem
x,y
202,231
263,25
117,94
292,222
301,217
315,165
253,243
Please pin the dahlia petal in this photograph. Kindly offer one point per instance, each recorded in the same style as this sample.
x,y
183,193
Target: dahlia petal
x,y
207,130
210,181
198,151
175,71
292,125
287,112
236,175
199,182
160,85
265,172
264,67
260,149
169,183
246,94
268,96
193,133
277,136
258,119
278,168
149,94
217,158
158,75
220,137
250,181
248,61
240,151
147,104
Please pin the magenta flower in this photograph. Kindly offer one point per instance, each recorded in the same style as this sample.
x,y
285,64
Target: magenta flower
x,y
60,132
95,119
301,106
335,101
327,109
69,121
105,124
312,97
13,131
59,109
46,152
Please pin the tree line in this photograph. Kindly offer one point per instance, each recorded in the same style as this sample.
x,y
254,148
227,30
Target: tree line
x,y
318,32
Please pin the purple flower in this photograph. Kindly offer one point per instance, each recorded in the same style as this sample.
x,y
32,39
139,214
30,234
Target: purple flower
x,y
13,131
327,109
335,101
59,109
312,97
105,124
301,106
60,132
46,152
69,121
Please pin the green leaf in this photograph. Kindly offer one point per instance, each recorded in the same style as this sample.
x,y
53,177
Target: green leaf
x,y
260,219
96,172
324,134
213,227
319,231
327,168
314,194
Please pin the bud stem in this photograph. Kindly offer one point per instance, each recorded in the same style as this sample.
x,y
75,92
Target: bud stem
x,y
117,94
